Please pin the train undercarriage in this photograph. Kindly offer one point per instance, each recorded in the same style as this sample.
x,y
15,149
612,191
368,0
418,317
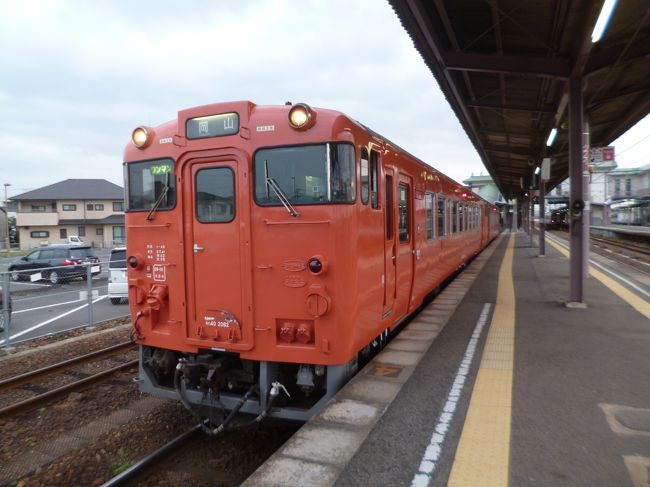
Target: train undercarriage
x,y
224,391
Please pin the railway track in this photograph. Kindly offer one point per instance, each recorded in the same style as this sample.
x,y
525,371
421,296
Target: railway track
x,y
14,383
624,252
199,459
644,250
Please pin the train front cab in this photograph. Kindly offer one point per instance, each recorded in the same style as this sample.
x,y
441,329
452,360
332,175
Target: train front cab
x,y
259,268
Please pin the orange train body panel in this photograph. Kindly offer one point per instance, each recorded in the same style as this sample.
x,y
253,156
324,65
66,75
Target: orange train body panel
x,y
222,264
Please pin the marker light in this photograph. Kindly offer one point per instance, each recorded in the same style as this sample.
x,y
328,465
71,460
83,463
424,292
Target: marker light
x,y
142,137
133,261
551,138
315,265
603,19
301,116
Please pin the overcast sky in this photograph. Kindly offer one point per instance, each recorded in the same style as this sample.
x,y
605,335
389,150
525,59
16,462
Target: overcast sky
x,y
77,77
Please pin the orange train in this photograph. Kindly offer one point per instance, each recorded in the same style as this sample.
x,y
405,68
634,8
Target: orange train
x,y
272,248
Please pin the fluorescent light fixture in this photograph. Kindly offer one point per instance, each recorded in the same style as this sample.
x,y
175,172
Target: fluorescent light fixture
x,y
551,138
603,19
537,169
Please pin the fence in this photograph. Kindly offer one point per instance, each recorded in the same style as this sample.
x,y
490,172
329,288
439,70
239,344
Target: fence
x,y
38,302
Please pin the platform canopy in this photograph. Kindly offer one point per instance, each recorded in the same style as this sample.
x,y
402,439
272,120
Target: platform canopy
x,y
504,67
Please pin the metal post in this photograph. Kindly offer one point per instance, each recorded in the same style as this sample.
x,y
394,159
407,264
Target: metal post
x,y
586,218
576,192
531,217
542,217
89,280
7,215
514,215
5,307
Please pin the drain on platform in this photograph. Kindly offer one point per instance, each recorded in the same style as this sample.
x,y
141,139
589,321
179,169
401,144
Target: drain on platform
x,y
627,420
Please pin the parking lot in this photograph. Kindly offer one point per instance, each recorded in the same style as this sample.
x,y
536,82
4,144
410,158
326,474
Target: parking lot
x,y
41,308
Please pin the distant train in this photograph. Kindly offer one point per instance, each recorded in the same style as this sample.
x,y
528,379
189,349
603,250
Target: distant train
x,y
272,248
558,218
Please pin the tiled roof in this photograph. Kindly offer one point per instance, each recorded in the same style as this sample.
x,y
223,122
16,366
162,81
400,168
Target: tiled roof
x,y
75,189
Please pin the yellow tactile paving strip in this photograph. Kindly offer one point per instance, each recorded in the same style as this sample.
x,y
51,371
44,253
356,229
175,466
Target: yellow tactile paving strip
x,y
483,452
638,303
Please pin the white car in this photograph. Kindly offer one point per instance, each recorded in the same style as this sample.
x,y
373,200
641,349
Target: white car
x,y
118,288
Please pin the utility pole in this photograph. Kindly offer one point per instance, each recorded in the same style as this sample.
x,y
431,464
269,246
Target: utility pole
x,y
7,217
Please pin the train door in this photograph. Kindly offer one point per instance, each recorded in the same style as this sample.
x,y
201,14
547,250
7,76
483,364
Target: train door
x,y
215,245
390,255
405,244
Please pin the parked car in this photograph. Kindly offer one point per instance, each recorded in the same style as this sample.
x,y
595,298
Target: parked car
x,y
117,280
71,240
55,263
2,314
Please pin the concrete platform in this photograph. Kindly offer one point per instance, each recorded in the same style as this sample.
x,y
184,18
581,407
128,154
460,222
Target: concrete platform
x,y
496,383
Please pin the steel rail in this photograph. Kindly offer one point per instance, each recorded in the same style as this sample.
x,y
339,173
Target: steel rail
x,y
624,245
143,464
30,403
64,365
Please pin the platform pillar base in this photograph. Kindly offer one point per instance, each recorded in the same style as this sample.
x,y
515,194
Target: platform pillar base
x,y
575,305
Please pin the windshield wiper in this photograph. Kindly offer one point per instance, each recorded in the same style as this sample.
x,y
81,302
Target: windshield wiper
x,y
272,183
160,199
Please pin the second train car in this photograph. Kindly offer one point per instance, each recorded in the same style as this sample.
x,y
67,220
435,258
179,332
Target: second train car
x,y
271,248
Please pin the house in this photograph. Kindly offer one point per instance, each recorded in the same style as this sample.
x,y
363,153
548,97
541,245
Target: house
x,y
630,182
485,188
93,209
616,194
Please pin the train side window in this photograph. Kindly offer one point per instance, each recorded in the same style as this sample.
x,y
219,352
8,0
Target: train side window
x,y
215,195
441,216
428,200
454,217
365,181
403,213
374,179
461,217
389,207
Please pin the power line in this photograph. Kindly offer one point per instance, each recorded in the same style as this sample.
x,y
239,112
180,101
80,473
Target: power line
x,y
635,144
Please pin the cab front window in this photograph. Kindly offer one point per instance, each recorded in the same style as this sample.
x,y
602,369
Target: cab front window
x,y
305,175
150,184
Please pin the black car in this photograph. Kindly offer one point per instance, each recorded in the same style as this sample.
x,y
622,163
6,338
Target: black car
x,y
55,263
2,315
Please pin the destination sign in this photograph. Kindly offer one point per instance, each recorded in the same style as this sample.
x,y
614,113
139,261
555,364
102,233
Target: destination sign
x,y
212,126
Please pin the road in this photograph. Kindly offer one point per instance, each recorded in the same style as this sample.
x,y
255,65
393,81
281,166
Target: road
x,y
41,308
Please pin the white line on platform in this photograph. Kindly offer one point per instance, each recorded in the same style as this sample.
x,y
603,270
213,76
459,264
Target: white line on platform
x,y
431,455
605,269
47,322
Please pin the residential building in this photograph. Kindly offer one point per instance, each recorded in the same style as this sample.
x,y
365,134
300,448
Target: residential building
x,y
617,195
93,209
485,188
630,182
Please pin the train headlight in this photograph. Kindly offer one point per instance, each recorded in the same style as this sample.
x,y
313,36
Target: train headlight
x,y
142,137
301,116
